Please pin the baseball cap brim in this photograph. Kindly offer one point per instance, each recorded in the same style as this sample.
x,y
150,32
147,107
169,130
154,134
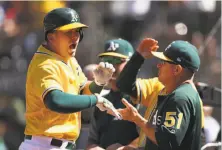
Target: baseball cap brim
x,y
160,55
72,26
113,54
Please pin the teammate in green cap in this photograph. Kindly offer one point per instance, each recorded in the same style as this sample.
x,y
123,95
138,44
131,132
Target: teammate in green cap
x,y
177,120
56,85
106,132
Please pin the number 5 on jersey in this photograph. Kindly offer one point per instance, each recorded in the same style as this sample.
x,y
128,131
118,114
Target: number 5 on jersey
x,y
170,119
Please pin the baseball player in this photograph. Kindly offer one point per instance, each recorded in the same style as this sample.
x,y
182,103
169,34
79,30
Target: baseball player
x,y
55,86
176,121
105,131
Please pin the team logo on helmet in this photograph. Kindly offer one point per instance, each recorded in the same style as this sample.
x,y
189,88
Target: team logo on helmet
x,y
75,17
113,46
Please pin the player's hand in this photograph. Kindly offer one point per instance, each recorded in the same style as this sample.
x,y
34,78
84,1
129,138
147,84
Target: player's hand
x,y
146,46
105,105
103,73
129,113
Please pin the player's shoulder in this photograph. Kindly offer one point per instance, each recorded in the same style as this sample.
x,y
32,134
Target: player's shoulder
x,y
184,94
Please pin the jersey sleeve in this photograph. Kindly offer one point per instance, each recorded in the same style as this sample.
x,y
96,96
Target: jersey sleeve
x,y
173,123
145,88
45,79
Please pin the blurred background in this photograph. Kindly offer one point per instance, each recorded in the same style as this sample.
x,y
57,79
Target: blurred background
x,y
21,33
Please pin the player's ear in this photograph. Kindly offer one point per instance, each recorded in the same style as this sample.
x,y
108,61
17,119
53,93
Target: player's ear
x,y
50,36
177,69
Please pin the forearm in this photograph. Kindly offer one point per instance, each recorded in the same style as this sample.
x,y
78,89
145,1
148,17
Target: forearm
x,y
90,88
61,102
147,129
126,82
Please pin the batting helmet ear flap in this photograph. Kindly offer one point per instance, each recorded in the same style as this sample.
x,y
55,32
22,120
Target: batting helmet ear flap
x,y
81,34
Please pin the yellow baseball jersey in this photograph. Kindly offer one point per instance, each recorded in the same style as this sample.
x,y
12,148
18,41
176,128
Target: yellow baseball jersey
x,y
48,71
147,95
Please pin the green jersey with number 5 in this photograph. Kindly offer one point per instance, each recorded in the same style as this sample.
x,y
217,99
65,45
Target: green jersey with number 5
x,y
178,119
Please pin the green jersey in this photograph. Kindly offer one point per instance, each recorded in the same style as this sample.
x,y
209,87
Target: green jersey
x,y
178,120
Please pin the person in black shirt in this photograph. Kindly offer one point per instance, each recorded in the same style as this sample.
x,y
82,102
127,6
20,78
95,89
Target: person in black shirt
x,y
106,132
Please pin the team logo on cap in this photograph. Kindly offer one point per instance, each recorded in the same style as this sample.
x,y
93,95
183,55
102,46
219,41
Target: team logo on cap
x,y
75,17
113,46
178,59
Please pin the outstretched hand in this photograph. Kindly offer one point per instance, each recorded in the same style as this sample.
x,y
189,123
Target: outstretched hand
x,y
146,46
105,105
129,113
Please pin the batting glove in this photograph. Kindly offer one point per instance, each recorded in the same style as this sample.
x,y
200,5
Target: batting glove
x,y
105,105
103,73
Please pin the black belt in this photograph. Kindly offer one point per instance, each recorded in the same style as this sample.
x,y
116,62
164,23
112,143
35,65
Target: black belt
x,y
57,142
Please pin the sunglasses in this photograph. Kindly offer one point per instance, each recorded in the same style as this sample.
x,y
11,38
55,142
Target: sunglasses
x,y
112,60
170,62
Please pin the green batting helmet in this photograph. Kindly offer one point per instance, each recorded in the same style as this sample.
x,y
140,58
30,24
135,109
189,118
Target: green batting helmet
x,y
62,19
118,48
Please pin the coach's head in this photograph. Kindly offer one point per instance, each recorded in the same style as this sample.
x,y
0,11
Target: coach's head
x,y
117,52
179,61
63,31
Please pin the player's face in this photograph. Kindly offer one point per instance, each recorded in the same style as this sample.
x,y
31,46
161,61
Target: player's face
x,y
118,64
166,72
67,42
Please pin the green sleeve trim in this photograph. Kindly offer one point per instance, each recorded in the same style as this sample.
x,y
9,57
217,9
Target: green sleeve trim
x,y
94,88
126,81
61,102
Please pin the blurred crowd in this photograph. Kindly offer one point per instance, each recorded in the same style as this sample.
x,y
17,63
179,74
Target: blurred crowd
x,y
21,31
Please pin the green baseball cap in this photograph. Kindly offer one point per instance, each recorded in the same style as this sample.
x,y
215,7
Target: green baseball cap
x,y
62,19
182,53
118,48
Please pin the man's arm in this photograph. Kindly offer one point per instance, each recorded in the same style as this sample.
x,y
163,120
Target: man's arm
x,y
126,81
62,102
93,138
147,129
130,113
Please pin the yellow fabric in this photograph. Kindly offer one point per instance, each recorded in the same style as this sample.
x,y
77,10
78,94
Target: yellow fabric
x,y
202,113
48,71
147,94
47,6
86,90
147,90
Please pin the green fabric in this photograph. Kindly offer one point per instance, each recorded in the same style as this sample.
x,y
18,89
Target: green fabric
x,y
127,78
61,102
177,119
94,88
183,53
119,48
60,17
